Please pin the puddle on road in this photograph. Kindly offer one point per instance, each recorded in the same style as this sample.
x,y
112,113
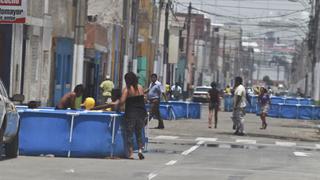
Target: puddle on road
x,y
164,151
174,143
234,146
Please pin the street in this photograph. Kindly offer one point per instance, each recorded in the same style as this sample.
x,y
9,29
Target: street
x,y
187,149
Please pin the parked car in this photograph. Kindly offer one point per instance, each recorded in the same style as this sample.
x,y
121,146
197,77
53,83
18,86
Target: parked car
x,y
201,94
9,124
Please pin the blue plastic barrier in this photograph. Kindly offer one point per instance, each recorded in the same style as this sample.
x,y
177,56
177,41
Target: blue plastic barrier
x,y
252,106
307,112
292,101
194,111
166,111
228,103
183,109
317,112
72,133
44,133
277,100
179,109
274,110
289,111
92,135
304,101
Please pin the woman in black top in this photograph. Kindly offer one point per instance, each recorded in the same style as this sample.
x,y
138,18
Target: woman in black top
x,y
214,104
135,112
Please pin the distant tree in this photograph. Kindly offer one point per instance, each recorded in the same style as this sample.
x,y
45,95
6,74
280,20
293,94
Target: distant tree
x,y
267,80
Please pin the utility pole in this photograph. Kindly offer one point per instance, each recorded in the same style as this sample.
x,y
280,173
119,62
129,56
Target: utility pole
x,y
240,53
125,40
135,21
156,54
224,58
314,40
185,86
166,73
78,53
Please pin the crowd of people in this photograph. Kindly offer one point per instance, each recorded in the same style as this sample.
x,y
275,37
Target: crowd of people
x,y
133,97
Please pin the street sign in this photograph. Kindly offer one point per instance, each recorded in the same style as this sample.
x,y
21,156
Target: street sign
x,y
13,11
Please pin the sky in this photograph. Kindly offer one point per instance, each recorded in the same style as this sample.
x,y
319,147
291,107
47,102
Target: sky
x,y
290,19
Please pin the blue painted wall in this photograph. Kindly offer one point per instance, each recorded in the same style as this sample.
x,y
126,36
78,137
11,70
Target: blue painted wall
x,y
63,67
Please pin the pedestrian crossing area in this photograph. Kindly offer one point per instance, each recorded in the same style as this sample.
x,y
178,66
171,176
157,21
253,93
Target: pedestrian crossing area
x,y
241,141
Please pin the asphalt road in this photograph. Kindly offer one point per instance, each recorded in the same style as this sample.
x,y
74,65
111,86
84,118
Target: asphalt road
x,y
188,150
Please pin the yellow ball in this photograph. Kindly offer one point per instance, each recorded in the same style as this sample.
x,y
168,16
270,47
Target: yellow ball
x,y
89,103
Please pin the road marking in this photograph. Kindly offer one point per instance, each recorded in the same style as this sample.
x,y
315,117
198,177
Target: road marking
x,y
246,141
193,148
318,146
286,144
206,139
167,137
70,171
301,154
152,175
170,163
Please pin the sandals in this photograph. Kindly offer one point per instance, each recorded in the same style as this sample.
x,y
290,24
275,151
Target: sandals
x,y
141,156
264,126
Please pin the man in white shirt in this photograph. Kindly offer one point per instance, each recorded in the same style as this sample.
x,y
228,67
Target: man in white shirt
x,y
239,106
176,91
154,95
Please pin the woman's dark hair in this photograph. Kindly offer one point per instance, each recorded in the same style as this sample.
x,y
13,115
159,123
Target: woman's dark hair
x,y
115,94
79,89
131,80
238,79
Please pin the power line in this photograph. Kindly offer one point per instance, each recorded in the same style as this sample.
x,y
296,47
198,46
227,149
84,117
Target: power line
x,y
246,7
241,18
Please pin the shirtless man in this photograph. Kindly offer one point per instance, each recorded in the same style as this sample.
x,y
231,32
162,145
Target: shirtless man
x,y
68,100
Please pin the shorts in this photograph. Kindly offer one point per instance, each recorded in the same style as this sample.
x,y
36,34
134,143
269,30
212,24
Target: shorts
x,y
213,105
265,108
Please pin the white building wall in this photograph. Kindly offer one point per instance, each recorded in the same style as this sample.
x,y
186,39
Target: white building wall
x,y
38,52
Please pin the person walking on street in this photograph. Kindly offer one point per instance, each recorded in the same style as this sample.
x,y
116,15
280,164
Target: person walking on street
x,y
264,101
214,104
239,106
135,112
107,86
154,94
